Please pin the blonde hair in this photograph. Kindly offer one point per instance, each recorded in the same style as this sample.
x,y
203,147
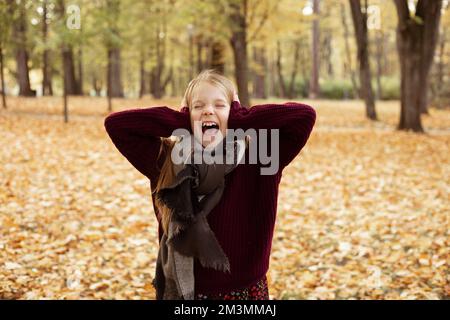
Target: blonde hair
x,y
167,174
213,77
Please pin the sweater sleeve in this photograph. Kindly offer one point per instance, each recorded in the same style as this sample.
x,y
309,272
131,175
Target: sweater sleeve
x,y
136,134
294,120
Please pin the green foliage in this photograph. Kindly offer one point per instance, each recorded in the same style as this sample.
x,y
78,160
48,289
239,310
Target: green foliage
x,y
140,27
5,23
418,20
336,89
390,88
301,87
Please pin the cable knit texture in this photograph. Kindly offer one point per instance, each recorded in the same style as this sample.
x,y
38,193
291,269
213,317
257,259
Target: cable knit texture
x,y
244,219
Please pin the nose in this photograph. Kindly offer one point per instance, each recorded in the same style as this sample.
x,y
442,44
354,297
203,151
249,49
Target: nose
x,y
208,110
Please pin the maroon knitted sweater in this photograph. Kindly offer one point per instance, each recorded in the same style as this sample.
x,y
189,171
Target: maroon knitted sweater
x,y
244,219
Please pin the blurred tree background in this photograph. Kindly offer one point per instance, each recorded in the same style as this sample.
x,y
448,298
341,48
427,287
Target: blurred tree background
x,y
334,49
362,210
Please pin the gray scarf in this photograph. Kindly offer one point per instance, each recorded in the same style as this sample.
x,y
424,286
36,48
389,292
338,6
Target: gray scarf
x,y
189,235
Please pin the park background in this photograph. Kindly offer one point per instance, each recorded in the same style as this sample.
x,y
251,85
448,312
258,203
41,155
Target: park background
x,y
363,210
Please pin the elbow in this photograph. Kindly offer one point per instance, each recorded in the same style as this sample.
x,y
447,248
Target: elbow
x,y
108,124
307,114
306,120
312,115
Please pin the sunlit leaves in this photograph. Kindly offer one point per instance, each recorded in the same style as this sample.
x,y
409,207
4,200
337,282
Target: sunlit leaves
x,y
362,211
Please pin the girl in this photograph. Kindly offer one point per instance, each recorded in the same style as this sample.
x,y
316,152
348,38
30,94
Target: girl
x,y
216,222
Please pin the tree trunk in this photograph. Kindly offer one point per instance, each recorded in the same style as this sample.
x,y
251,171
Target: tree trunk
x,y
304,69
46,70
360,24
314,88
115,80
281,81
19,33
273,87
173,84
156,87
218,56
47,88
348,57
108,85
328,52
199,54
96,85
379,56
114,70
80,70
142,75
69,71
2,80
157,83
416,43
71,84
171,79
259,74
156,73
208,49
239,44
65,110
191,55
441,66
291,92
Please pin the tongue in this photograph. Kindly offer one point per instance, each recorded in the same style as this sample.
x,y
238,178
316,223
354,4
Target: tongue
x,y
210,132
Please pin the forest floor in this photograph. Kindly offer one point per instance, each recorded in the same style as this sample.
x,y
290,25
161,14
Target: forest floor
x,y
363,211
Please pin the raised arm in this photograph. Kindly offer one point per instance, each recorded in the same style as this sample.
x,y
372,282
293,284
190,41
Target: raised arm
x,y
136,134
294,120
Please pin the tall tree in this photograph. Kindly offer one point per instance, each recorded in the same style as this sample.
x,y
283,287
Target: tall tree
x,y
218,56
158,82
258,38
327,51
200,45
238,43
71,83
288,91
2,78
142,74
259,72
417,34
360,23
80,69
114,70
242,19
379,53
348,69
281,82
47,88
314,88
18,10
5,28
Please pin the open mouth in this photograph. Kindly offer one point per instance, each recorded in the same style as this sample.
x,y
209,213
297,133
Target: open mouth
x,y
210,127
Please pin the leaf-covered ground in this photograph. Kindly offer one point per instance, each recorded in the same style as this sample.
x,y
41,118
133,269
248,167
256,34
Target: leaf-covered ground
x,y
363,211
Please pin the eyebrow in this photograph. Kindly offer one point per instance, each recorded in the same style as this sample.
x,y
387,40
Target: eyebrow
x,y
214,100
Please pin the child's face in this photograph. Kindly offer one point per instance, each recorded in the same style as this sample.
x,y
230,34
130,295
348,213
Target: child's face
x,y
209,114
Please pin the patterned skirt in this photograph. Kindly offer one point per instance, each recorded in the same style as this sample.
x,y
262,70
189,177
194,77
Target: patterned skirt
x,y
258,291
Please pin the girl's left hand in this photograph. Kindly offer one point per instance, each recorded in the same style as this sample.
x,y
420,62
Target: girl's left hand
x,y
235,97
